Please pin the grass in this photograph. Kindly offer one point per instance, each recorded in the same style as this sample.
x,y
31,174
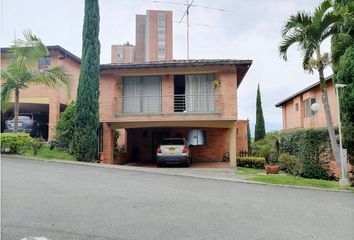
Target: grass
x,y
294,181
46,153
258,175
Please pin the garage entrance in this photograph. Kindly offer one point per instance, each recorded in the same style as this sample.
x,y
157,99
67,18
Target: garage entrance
x,y
141,143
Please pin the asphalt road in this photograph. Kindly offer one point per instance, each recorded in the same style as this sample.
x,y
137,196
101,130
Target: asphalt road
x,y
65,201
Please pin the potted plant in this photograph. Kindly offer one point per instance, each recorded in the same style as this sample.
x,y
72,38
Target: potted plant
x,y
216,83
272,166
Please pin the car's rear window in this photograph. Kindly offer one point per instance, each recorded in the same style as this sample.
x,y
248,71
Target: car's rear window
x,y
172,142
22,117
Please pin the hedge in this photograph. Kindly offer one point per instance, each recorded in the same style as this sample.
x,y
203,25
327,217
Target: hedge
x,y
251,162
15,142
305,145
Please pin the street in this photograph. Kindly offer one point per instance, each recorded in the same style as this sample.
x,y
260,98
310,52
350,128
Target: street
x,y
65,201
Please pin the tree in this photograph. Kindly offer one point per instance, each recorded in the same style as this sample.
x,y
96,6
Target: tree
x,y
343,34
345,75
308,31
249,137
87,121
24,56
65,128
259,132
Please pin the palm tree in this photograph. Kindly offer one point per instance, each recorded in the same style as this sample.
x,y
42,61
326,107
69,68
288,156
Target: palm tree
x,y
24,56
308,31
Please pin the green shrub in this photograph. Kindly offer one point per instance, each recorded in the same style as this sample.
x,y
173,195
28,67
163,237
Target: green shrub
x,y
305,145
65,129
290,164
251,162
15,142
37,145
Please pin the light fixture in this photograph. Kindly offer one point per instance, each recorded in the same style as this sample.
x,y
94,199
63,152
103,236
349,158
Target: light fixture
x,y
315,107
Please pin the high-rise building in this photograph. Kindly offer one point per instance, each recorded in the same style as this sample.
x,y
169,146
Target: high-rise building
x,y
154,36
122,53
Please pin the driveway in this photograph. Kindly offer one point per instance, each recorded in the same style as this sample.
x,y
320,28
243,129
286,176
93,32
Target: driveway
x,y
65,201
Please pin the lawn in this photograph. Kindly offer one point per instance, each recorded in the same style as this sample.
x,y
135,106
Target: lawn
x,y
47,153
258,175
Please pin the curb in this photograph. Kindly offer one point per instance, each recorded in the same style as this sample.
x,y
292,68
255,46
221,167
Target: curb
x,y
152,171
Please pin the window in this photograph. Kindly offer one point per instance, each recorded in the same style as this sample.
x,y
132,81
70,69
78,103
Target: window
x,y
308,111
296,107
44,62
142,94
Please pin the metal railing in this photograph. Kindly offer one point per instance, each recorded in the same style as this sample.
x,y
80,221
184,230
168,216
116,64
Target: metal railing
x,y
174,104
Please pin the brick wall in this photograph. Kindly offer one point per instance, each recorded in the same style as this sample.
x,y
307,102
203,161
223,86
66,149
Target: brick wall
x,y
241,136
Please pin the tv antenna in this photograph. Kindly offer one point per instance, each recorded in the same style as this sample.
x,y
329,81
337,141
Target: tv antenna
x,y
188,5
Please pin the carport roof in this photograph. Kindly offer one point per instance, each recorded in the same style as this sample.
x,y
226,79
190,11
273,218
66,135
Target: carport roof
x,y
242,65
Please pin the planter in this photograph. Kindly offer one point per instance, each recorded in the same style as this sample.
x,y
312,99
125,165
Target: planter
x,y
272,169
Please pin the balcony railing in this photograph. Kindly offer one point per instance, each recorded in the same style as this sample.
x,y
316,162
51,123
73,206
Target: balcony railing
x,y
174,104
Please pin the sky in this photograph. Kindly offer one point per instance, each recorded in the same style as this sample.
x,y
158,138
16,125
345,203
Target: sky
x,y
246,29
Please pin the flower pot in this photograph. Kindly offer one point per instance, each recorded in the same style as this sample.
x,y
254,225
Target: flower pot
x,y
272,169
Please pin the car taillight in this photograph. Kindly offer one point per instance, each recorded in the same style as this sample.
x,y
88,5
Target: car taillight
x,y
185,150
158,150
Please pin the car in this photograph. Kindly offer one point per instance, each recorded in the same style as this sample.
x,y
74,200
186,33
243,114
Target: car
x,y
173,151
33,123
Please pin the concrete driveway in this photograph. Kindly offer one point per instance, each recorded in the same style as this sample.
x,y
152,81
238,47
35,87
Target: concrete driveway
x,y
66,201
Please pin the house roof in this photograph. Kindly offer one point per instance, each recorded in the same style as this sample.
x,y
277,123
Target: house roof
x,y
65,52
242,65
279,104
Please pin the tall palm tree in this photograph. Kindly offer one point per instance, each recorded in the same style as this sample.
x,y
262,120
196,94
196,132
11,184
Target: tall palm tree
x,y
21,72
308,31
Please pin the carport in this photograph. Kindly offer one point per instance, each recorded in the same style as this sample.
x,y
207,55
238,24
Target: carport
x,y
143,137
41,106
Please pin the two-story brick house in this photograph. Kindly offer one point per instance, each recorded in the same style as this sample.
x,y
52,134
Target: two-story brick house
x,y
153,100
42,99
296,109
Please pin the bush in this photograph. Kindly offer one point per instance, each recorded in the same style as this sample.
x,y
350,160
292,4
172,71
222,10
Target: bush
x,y
37,144
15,142
290,164
305,145
65,129
251,162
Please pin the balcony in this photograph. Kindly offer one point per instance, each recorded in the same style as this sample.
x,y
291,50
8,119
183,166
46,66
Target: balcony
x,y
173,105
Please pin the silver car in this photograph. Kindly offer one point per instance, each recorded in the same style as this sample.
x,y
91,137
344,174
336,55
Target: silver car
x,y
173,151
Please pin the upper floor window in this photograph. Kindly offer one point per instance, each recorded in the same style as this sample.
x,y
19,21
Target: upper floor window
x,y
308,111
44,62
296,107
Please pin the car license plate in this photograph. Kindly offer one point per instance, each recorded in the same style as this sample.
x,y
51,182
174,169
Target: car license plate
x,y
171,149
20,124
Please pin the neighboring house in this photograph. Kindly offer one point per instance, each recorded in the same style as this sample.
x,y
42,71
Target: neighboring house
x,y
296,109
173,98
49,102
